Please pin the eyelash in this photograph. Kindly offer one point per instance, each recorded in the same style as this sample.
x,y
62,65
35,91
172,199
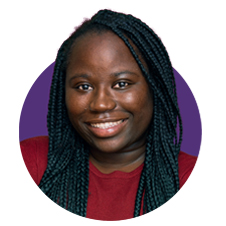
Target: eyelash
x,y
88,86
78,87
120,86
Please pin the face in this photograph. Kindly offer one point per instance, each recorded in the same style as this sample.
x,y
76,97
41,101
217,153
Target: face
x,y
107,98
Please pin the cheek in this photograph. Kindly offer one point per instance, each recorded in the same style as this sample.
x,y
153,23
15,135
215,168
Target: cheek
x,y
75,106
140,104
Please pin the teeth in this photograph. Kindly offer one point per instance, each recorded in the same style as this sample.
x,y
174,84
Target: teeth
x,y
106,124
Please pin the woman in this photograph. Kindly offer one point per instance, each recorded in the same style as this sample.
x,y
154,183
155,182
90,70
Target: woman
x,y
113,152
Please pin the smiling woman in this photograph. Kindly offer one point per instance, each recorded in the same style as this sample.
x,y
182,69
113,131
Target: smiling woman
x,y
107,98
112,152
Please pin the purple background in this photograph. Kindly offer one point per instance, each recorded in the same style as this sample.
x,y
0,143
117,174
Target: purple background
x,y
33,119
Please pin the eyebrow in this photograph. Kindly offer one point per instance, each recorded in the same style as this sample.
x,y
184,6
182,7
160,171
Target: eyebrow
x,y
116,74
79,76
124,72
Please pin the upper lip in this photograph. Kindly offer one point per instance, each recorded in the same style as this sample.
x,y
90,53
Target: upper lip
x,y
93,121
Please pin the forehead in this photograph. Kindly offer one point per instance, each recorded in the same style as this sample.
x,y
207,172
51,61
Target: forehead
x,y
103,49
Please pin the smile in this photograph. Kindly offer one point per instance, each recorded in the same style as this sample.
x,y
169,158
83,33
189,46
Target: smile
x,y
107,129
106,125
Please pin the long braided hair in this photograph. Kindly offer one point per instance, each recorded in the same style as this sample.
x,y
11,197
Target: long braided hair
x,y
66,178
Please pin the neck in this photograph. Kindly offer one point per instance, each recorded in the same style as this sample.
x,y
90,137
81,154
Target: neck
x,y
125,161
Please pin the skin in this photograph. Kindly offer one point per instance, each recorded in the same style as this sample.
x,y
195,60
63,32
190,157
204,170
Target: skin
x,y
104,83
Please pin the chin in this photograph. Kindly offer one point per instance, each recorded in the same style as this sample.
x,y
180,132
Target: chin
x,y
108,147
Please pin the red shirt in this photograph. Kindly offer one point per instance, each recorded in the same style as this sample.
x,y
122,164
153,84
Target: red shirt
x,y
111,196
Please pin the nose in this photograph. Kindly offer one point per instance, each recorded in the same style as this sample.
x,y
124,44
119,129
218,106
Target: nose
x,y
102,101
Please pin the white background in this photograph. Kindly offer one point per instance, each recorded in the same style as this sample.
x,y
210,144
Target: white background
x,y
194,34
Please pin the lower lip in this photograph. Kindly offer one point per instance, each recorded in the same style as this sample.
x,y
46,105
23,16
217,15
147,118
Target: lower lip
x,y
108,132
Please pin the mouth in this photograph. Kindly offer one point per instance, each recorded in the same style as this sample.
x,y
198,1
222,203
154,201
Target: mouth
x,y
106,125
107,129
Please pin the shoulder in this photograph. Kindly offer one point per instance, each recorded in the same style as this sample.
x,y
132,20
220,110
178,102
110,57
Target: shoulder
x,y
186,164
34,147
35,154
35,141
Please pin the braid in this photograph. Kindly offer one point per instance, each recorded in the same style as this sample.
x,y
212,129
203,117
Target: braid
x,y
64,161
66,178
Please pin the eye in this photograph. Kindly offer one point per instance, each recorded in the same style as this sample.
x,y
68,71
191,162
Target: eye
x,y
84,87
121,85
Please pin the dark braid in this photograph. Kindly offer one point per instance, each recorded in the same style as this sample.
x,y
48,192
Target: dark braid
x,y
66,178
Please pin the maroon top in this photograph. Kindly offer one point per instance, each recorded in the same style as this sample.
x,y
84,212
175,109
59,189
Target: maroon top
x,y
111,196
